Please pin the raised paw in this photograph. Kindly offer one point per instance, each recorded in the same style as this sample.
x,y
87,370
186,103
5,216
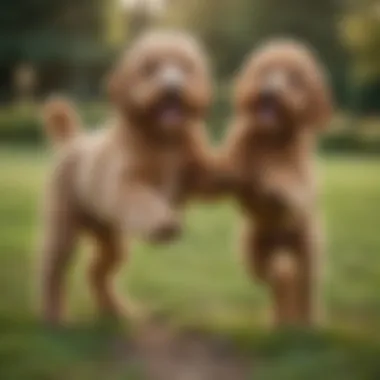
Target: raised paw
x,y
166,232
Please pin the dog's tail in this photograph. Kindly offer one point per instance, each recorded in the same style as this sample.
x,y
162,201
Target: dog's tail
x,y
61,121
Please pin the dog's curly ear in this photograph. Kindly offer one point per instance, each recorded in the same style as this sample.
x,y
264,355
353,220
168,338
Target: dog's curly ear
x,y
113,84
240,90
118,83
244,82
321,105
204,93
202,84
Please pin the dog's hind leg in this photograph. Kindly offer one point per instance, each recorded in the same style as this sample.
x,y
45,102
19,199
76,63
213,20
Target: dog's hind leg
x,y
309,252
283,281
276,268
60,235
106,261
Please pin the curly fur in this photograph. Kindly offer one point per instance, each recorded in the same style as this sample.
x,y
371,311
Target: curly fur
x,y
131,177
281,101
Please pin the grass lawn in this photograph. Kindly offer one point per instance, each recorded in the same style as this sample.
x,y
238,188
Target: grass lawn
x,y
199,281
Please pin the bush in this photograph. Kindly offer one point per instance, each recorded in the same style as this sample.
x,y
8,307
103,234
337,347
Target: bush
x,y
219,116
350,142
22,125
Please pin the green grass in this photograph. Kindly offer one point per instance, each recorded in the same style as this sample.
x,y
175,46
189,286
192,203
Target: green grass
x,y
199,281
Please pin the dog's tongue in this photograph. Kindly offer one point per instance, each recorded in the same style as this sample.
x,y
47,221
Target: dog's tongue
x,y
267,114
171,116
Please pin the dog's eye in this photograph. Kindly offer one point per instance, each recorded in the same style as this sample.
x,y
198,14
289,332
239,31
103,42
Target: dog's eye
x,y
149,68
296,80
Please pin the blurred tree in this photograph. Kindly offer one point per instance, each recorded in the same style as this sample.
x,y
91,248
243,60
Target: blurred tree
x,y
220,24
62,38
233,28
114,23
360,32
43,27
125,19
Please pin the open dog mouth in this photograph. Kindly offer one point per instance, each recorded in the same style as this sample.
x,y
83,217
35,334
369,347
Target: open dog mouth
x,y
266,109
171,111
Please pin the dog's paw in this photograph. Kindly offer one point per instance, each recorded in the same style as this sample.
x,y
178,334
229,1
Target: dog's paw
x,y
166,231
153,220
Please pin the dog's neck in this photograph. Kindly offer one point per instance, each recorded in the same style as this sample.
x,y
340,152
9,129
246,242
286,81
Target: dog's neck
x,y
140,135
289,141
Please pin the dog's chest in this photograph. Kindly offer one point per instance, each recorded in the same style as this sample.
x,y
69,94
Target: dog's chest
x,y
162,170
271,186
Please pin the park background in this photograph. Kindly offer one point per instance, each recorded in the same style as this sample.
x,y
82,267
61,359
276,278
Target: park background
x,y
198,284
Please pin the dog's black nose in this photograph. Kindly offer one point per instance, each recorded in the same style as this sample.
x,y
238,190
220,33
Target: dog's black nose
x,y
267,97
173,93
173,90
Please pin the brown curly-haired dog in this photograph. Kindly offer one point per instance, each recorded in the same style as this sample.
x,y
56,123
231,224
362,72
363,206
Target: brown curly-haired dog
x,y
282,102
132,176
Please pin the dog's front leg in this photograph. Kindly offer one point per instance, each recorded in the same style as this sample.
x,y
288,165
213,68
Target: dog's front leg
x,y
208,178
59,239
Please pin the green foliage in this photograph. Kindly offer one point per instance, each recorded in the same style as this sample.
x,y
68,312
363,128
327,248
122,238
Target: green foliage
x,y
22,125
349,142
41,32
361,33
239,26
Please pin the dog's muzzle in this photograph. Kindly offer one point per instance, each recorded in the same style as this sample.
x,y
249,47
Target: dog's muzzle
x,y
266,107
171,108
172,80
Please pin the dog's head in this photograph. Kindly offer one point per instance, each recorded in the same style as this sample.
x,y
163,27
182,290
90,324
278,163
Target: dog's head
x,y
282,85
162,82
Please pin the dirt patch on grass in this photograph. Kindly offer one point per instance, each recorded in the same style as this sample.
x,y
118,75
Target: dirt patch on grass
x,y
164,354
